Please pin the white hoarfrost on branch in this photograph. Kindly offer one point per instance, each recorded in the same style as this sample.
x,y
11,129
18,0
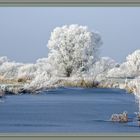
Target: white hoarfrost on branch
x,y
44,76
129,69
73,48
27,72
133,63
8,69
99,70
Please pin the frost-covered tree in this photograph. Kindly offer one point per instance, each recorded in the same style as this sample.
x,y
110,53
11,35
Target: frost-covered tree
x,y
104,64
9,70
44,65
27,72
101,67
133,63
130,68
73,48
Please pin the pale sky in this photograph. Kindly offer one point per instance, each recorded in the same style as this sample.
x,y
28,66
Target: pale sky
x,y
25,31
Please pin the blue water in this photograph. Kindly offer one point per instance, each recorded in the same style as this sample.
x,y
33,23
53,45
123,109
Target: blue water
x,y
68,110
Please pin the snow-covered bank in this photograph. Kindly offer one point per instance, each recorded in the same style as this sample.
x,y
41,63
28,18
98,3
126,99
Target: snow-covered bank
x,y
85,82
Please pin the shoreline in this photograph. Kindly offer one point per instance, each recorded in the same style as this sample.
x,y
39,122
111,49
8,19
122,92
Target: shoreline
x,y
16,88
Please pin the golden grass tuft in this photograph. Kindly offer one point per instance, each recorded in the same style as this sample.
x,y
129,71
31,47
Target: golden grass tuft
x,y
80,83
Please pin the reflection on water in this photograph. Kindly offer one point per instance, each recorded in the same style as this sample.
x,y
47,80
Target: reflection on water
x,y
68,110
